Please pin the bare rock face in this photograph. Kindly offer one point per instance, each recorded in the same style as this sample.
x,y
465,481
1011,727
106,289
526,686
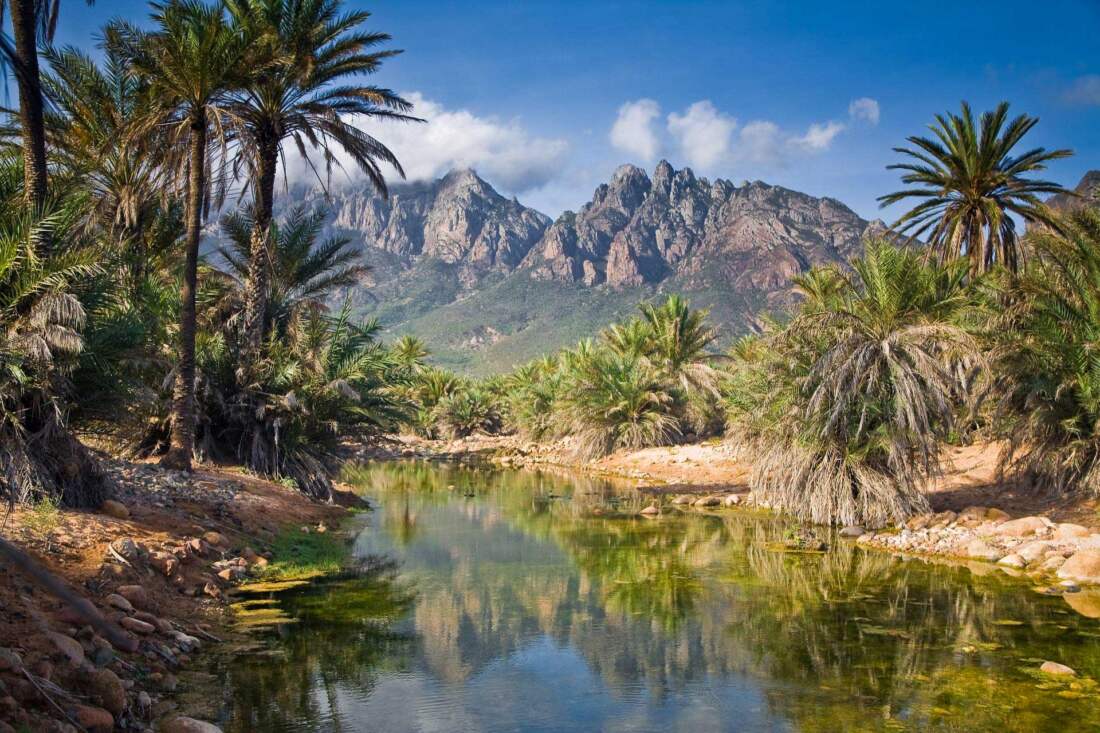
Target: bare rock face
x,y
1088,194
638,230
459,219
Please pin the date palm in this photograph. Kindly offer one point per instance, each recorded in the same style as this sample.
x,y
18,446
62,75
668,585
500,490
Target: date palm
x,y
305,96
679,344
970,183
32,21
192,59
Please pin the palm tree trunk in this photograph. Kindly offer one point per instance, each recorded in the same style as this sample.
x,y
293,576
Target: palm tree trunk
x,y
182,443
23,19
256,287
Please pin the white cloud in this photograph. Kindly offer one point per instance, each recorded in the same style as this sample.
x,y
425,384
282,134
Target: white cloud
x,y
819,137
504,152
633,131
703,133
865,109
760,143
1085,90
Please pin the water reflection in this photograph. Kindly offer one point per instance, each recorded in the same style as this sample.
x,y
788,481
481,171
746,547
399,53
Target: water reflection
x,y
528,602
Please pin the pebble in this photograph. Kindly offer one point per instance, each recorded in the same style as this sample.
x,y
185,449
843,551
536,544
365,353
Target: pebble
x,y
1055,668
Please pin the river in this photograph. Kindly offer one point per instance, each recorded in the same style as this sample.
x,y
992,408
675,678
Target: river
x,y
498,600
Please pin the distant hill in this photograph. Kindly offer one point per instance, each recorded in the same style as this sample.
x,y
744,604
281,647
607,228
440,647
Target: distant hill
x,y
489,283
1088,194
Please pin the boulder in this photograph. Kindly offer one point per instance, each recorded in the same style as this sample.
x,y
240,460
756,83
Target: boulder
x,y
1069,531
1036,550
115,509
997,515
127,548
68,646
1083,566
135,594
217,539
974,512
105,685
1022,527
707,501
1052,563
165,562
918,522
137,625
731,500
93,719
1086,602
1013,561
1054,668
649,511
852,531
189,725
116,601
979,550
683,499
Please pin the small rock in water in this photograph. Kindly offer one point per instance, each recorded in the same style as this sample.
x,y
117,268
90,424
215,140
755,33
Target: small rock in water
x,y
683,499
1083,566
979,550
732,500
650,511
1057,669
852,531
708,501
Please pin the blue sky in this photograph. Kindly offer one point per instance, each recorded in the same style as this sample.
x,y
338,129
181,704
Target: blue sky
x,y
545,99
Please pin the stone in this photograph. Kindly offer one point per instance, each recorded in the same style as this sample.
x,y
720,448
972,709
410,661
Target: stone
x,y
974,512
731,500
1069,531
852,532
683,499
144,701
1052,563
135,594
115,509
68,646
1022,527
137,625
1068,586
165,562
127,548
708,501
918,522
1054,668
9,660
649,511
94,719
1083,566
978,550
107,687
182,724
1085,602
1013,561
249,555
997,515
117,601
1033,551
217,539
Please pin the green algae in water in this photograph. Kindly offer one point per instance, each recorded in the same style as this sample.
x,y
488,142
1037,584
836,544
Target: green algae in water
x,y
509,611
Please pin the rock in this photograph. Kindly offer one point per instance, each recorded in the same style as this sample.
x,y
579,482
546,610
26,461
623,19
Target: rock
x,y
731,500
137,625
95,720
144,701
115,509
1033,551
188,725
683,499
997,515
979,550
1022,527
217,539
974,512
649,511
1083,566
1052,563
169,683
165,562
249,555
1013,561
708,501
107,687
1068,531
135,594
9,660
185,642
852,532
117,601
1068,586
1085,602
918,522
127,548
68,646
1055,668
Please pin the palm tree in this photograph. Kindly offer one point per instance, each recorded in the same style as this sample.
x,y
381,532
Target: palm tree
x,y
32,21
303,97
302,273
1047,353
970,184
192,61
679,342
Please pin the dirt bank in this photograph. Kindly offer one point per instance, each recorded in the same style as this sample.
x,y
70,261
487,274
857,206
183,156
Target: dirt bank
x,y
157,563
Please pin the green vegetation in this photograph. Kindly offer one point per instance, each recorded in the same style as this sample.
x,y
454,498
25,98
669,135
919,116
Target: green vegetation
x,y
298,555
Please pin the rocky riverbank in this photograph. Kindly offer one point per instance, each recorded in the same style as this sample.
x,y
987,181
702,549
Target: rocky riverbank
x,y
157,562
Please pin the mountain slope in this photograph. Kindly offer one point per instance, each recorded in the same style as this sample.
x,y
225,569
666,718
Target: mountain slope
x,y
489,283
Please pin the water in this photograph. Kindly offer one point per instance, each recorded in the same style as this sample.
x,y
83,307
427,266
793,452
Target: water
x,y
518,601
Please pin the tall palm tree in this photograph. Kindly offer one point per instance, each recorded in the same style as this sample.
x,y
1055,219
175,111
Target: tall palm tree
x,y
303,96
680,339
32,21
302,272
192,60
970,183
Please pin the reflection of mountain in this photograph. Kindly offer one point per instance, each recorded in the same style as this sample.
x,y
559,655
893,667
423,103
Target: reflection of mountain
x,y
533,614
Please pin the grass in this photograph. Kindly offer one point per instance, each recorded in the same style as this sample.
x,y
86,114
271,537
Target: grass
x,y
298,555
43,517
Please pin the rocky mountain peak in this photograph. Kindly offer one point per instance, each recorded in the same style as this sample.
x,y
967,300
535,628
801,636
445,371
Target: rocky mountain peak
x,y
1087,194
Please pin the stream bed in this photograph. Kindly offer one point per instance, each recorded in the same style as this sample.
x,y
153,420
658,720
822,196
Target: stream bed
x,y
503,600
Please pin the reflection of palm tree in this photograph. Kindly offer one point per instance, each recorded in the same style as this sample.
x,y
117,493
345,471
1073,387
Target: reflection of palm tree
x,y
406,531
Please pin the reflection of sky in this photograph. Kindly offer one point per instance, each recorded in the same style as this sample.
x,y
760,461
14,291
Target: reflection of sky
x,y
545,687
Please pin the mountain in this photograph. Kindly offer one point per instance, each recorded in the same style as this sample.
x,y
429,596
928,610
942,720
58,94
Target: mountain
x,y
1088,194
489,283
